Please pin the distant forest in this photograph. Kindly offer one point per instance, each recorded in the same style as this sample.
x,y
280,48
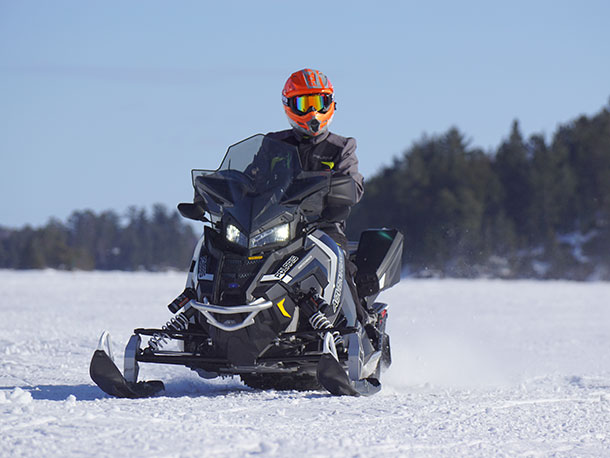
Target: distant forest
x,y
530,209
88,241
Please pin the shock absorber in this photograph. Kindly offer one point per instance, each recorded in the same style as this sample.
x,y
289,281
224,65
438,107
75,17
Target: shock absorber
x,y
319,321
177,323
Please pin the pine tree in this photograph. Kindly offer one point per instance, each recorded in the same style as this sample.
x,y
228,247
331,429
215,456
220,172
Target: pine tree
x,y
512,167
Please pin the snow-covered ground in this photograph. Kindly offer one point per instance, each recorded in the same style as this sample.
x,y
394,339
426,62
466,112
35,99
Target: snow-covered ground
x,y
481,368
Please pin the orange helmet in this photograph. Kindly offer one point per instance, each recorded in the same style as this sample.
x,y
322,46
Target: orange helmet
x,y
309,101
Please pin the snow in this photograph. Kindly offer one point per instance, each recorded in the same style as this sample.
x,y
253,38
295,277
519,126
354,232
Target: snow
x,y
576,240
481,368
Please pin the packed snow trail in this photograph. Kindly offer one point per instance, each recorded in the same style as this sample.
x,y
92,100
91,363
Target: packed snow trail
x,y
481,368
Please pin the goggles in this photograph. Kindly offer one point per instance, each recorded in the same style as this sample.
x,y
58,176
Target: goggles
x,y
303,104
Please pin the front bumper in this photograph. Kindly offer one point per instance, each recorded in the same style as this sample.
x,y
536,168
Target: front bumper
x,y
253,309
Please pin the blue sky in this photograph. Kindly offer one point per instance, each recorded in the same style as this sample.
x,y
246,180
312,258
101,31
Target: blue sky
x,y
106,104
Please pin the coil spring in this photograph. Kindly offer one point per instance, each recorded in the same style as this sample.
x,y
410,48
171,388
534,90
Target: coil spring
x,y
159,340
319,321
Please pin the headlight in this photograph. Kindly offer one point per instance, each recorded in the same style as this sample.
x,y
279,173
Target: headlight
x,y
234,235
276,234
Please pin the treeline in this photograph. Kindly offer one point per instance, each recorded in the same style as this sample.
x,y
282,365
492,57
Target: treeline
x,y
531,208
106,241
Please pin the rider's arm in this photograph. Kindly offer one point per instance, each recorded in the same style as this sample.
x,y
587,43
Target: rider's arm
x,y
348,165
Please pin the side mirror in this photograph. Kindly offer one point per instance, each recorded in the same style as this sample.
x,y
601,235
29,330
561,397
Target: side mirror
x,y
194,211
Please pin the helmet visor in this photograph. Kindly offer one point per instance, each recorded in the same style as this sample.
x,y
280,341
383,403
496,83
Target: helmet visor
x,y
303,104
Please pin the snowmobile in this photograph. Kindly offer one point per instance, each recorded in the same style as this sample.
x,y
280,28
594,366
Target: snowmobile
x,y
267,297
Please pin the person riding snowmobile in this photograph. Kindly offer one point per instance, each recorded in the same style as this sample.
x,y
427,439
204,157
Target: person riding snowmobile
x,y
309,104
266,294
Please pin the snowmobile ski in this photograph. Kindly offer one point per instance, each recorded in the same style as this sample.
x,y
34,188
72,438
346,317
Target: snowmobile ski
x,y
333,377
108,377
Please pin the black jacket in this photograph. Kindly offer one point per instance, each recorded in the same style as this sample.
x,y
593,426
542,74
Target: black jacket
x,y
322,152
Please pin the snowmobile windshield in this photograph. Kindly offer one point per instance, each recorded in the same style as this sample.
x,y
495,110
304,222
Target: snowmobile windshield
x,y
257,187
255,166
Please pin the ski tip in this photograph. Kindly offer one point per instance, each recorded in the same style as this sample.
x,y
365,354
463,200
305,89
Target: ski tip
x,y
105,345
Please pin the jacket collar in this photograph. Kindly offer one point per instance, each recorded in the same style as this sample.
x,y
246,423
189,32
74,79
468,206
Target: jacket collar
x,y
311,140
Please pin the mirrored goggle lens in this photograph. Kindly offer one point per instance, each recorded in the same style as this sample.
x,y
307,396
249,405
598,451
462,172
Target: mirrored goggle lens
x,y
319,102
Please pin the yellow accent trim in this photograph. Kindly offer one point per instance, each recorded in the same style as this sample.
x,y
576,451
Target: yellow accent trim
x,y
280,305
251,258
330,165
275,161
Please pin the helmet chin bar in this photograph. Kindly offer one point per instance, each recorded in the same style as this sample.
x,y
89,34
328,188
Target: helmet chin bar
x,y
311,127
314,125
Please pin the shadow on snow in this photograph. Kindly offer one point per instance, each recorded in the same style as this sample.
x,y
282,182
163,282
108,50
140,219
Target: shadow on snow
x,y
173,389
61,392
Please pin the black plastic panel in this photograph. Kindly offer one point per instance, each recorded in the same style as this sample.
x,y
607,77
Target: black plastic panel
x,y
379,260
